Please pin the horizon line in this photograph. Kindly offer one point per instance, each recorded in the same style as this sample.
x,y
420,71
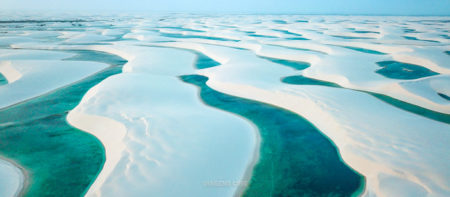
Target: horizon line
x,y
102,11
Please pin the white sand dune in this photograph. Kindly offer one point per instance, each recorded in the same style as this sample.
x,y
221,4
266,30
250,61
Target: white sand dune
x,y
160,139
39,75
86,37
381,142
11,179
387,145
164,136
23,54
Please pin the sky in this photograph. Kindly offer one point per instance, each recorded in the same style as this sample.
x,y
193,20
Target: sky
x,y
360,7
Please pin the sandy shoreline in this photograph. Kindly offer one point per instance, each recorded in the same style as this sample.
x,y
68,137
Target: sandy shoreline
x,y
110,134
245,182
385,144
22,175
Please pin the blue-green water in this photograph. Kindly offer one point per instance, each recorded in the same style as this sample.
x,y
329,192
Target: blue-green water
x,y
301,80
60,160
248,32
410,30
3,80
90,43
447,52
350,37
182,29
365,50
400,70
414,38
288,32
295,158
300,49
441,117
279,21
297,36
176,35
96,56
445,36
42,21
297,65
444,96
365,32
120,37
260,36
204,61
201,62
410,38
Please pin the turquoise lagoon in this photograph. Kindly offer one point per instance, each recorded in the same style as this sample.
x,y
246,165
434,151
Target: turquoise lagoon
x,y
60,160
297,65
295,158
3,80
365,50
397,72
400,70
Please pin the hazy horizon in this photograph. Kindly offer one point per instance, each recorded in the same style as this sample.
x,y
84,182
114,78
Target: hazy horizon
x,y
320,7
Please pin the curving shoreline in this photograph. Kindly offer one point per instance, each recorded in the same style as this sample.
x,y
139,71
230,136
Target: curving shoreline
x,y
210,157
21,176
249,170
59,173
110,135
372,135
295,158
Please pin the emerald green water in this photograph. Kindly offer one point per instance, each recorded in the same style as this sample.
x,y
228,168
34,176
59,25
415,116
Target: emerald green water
x,y
400,70
60,160
288,32
392,69
365,50
177,35
414,38
351,37
441,117
297,36
410,38
261,36
410,31
204,61
279,21
3,80
365,32
96,56
444,96
297,65
183,29
294,48
301,80
201,62
295,158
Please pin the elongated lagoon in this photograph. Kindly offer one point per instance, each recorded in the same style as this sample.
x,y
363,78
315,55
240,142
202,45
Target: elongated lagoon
x,y
295,158
60,160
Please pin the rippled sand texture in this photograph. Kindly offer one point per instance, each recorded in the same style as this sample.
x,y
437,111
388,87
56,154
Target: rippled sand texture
x,y
282,105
